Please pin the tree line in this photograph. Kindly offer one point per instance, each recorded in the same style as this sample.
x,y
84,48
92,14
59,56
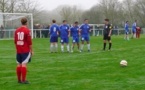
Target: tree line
x,y
117,11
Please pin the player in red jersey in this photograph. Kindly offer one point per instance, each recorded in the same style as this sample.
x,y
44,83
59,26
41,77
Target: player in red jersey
x,y
23,43
138,31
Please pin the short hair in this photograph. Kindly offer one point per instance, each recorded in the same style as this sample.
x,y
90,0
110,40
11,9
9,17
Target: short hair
x,y
85,19
53,21
64,21
76,22
126,21
107,20
135,20
24,21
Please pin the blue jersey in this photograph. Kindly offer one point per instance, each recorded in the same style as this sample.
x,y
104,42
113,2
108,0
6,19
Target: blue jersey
x,y
54,30
85,29
64,30
75,31
126,27
134,26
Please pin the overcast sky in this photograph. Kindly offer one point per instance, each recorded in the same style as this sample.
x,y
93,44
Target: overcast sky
x,y
52,4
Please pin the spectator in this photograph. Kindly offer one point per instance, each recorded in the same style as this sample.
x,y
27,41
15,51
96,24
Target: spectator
x,y
46,31
2,31
38,27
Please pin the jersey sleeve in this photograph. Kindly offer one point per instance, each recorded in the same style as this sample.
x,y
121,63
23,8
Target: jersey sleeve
x,y
50,29
135,24
58,28
125,26
89,27
71,29
68,27
81,27
29,40
110,27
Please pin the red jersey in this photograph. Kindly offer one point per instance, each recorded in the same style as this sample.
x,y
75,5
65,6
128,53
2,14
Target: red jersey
x,y
138,29
22,39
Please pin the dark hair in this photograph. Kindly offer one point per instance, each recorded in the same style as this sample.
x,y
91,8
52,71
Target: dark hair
x,y
85,19
64,21
24,21
53,21
135,20
126,21
76,22
107,19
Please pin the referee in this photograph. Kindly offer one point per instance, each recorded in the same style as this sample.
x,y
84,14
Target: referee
x,y
107,34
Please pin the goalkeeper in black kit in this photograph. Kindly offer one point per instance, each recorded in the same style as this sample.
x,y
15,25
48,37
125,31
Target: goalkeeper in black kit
x,y
107,34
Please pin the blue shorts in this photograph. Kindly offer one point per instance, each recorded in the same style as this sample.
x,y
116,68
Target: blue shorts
x,y
64,40
23,58
126,33
85,38
53,39
75,39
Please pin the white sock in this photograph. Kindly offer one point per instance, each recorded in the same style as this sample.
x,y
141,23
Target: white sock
x,y
82,46
56,47
68,48
127,38
88,46
51,48
134,35
62,48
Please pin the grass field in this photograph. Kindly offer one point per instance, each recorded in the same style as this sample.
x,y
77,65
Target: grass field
x,y
96,70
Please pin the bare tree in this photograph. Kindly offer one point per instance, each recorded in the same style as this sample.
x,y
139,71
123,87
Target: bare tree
x,y
4,6
65,12
94,15
110,9
13,5
29,6
139,11
71,14
118,12
8,6
128,10
76,14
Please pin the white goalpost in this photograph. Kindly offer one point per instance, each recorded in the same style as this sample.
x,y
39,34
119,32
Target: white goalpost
x,y
9,22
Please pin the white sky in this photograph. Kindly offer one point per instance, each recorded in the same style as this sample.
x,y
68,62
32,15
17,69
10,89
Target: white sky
x,y
52,4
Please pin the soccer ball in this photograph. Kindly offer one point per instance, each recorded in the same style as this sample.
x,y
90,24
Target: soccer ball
x,y
123,63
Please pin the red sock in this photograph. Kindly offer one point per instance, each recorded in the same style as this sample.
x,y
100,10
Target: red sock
x,y
18,71
24,72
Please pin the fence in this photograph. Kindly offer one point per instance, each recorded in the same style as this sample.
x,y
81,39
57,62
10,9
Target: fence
x,y
39,33
43,33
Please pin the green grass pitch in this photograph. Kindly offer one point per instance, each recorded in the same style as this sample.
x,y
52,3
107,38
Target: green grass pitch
x,y
96,70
